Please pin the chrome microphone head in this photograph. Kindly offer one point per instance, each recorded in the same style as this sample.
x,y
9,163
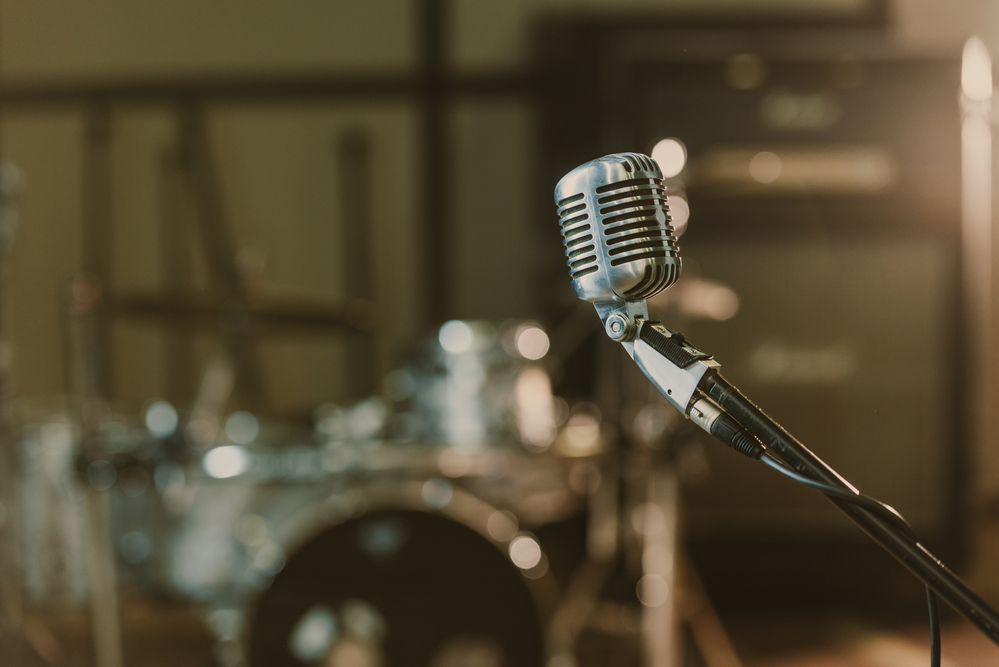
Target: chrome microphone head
x,y
616,229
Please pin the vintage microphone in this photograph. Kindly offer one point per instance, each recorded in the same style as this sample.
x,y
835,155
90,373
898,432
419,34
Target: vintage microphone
x,y
621,250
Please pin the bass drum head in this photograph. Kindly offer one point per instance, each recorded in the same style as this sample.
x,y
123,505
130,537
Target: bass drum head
x,y
397,588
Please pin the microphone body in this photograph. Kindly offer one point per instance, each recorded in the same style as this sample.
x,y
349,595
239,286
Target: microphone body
x,y
619,243
621,250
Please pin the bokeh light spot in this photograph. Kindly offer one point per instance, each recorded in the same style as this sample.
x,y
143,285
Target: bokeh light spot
x,y
456,337
525,552
765,167
532,342
161,419
226,461
671,155
242,428
652,590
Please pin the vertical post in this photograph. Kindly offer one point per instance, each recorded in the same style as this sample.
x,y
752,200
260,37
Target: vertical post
x,y
976,249
437,228
105,619
176,272
83,300
353,153
91,347
10,574
202,177
657,587
98,224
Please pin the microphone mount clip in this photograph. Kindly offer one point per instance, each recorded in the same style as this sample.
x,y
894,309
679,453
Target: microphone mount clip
x,y
673,365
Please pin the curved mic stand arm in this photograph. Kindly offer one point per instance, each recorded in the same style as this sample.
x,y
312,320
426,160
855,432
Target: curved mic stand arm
x,y
690,381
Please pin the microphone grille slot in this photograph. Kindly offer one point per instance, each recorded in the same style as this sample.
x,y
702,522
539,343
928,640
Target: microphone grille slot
x,y
636,226
657,278
577,236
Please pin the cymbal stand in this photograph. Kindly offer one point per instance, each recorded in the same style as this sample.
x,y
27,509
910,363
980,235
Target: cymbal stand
x,y
96,470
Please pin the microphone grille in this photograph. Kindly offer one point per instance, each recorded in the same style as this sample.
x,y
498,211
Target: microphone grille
x,y
577,236
616,229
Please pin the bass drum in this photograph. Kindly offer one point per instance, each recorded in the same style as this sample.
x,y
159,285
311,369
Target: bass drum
x,y
397,587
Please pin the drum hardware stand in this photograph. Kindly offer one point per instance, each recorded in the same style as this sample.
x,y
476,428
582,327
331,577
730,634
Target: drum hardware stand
x,y
687,603
201,178
659,548
577,605
647,477
98,235
582,594
706,629
232,306
190,175
214,391
352,153
82,303
177,271
11,613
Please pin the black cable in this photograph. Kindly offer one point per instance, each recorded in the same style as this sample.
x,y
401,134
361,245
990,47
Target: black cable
x,y
931,602
884,511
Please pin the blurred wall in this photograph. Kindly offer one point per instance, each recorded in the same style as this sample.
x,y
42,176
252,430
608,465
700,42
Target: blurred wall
x,y
277,164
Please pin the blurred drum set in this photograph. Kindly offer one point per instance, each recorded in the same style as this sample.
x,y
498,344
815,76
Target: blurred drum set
x,y
462,515
400,530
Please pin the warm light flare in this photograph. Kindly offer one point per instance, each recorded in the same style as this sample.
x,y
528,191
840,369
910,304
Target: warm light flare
x,y
976,70
534,409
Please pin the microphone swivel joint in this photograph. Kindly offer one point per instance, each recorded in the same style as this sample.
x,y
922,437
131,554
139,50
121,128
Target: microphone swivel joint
x,y
620,327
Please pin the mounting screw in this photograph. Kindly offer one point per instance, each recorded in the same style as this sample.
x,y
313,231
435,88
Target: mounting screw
x,y
619,327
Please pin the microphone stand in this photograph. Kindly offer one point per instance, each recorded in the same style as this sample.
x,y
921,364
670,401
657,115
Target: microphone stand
x,y
690,381
913,555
